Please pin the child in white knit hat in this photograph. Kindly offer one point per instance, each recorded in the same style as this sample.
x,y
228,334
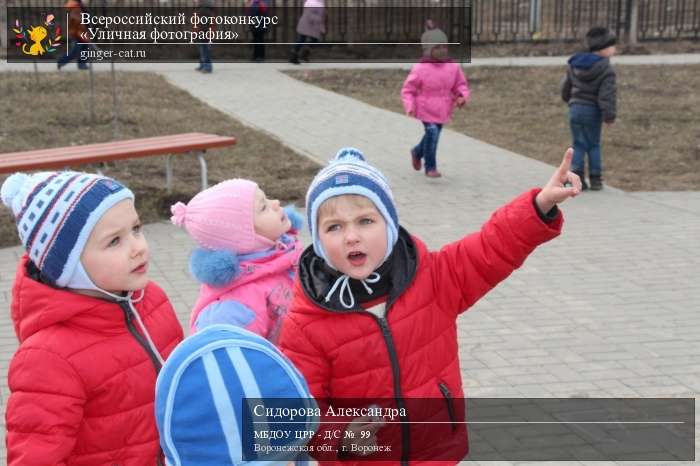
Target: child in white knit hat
x,y
246,256
93,330
433,88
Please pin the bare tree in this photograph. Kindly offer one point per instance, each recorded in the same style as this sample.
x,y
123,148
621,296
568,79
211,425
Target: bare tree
x,y
3,26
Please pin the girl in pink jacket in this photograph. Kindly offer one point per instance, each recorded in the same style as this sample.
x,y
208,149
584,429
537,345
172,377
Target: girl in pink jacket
x,y
246,258
311,27
432,89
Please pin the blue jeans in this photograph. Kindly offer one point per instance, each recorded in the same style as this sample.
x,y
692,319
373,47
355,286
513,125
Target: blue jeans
x,y
204,57
74,51
586,124
427,147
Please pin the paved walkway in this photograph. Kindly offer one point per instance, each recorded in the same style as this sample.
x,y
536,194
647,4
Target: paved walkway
x,y
609,309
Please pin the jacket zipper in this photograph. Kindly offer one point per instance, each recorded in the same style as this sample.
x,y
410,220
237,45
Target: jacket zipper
x,y
395,369
154,359
450,406
132,329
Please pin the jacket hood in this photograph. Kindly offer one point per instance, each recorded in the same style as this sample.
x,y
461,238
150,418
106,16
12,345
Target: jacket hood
x,y
397,272
588,66
36,306
219,267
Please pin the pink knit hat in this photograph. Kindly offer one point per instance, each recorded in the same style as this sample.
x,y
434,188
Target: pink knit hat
x,y
222,217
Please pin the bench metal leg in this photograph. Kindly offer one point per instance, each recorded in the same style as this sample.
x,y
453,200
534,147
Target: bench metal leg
x,y
168,174
203,166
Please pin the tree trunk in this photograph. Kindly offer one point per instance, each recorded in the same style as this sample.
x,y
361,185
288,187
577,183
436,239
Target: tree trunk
x,y
3,27
632,22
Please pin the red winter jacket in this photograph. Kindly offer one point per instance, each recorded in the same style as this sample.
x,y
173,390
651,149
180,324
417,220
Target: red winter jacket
x,y
412,352
82,387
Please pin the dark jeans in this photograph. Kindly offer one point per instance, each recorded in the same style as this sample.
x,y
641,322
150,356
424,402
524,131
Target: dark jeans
x,y
300,42
258,46
586,125
74,51
427,147
205,57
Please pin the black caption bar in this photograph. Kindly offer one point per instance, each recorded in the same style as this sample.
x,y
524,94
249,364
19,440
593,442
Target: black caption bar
x,y
477,429
168,34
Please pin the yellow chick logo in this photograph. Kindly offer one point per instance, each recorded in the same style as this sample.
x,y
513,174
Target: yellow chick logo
x,y
31,40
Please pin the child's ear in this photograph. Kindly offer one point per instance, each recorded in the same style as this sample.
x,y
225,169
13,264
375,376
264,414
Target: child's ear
x,y
295,217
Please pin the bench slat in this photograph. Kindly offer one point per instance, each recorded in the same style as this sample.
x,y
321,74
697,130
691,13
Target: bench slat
x,y
90,153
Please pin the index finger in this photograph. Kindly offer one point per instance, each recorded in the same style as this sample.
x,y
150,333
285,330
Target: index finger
x,y
566,162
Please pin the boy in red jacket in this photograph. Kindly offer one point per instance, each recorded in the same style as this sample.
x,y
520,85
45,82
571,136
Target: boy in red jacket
x,y
374,313
93,330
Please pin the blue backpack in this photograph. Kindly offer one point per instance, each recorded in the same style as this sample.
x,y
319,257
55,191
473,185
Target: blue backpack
x,y
201,410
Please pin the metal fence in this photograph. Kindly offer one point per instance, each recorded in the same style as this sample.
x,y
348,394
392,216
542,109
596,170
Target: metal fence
x,y
568,20
491,20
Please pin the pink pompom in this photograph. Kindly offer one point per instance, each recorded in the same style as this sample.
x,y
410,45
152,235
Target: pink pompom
x,y
179,210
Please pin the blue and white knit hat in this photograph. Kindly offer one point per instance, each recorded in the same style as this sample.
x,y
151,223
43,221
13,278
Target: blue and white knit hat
x,y
202,413
55,214
349,173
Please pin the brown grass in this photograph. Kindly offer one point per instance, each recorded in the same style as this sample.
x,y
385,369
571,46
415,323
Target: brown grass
x,y
54,112
654,145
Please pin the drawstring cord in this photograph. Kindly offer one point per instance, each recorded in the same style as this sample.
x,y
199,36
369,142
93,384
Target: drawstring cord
x,y
344,282
145,333
144,330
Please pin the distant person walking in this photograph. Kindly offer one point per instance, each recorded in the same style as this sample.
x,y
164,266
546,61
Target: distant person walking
x,y
311,27
258,8
430,93
204,8
590,90
76,44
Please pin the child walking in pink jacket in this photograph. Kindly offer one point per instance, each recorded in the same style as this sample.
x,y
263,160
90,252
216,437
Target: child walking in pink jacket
x,y
246,258
432,89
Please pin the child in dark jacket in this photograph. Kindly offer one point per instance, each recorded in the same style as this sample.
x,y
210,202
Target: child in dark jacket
x,y
93,330
589,89
204,8
257,9
374,312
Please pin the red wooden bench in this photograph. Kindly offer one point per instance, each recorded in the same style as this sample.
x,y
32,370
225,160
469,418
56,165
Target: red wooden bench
x,y
60,157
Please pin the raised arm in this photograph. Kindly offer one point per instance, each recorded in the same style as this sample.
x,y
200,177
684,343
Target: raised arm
x,y
467,269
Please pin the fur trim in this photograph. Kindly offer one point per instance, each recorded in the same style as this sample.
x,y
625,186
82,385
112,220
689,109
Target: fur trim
x,y
214,268
295,217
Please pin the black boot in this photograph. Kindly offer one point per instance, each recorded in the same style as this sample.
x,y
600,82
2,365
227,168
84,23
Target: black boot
x,y
596,183
584,186
294,57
